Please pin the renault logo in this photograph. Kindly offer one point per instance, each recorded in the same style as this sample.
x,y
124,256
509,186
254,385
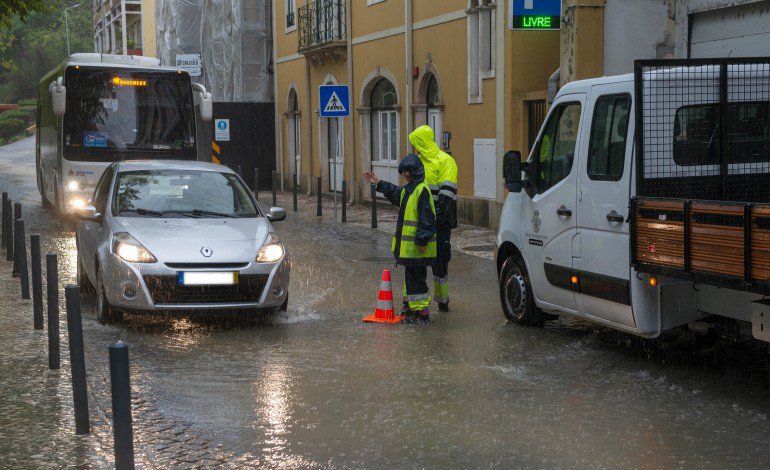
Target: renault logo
x,y
207,252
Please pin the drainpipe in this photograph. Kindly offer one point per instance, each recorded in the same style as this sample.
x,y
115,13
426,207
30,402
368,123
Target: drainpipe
x,y
123,26
104,29
278,116
553,85
351,119
309,128
409,60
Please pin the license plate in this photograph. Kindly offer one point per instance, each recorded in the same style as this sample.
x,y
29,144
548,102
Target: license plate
x,y
198,278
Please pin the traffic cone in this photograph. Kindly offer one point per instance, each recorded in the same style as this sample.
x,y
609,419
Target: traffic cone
x,y
384,311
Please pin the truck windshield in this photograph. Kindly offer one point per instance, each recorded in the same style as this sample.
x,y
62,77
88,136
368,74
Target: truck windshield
x,y
136,113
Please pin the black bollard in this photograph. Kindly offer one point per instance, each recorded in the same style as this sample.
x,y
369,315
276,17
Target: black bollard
x,y
274,204
318,208
256,184
294,189
121,406
37,281
21,255
77,359
52,286
374,206
344,200
9,231
16,216
4,233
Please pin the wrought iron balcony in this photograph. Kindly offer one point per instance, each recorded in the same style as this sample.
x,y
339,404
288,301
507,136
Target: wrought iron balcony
x,y
322,30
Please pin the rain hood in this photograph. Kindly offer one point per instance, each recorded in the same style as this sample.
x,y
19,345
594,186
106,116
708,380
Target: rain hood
x,y
414,166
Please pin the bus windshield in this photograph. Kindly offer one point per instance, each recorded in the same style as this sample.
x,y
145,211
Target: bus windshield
x,y
140,114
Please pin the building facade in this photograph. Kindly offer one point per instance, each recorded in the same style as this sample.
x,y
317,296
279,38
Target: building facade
x,y
453,65
125,27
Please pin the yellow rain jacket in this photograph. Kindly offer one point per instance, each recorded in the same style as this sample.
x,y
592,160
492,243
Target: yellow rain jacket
x,y
440,176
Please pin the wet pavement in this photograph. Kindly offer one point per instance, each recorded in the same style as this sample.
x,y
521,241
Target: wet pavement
x,y
315,387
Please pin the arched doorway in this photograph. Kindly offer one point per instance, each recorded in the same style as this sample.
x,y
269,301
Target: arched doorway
x,y
384,130
435,115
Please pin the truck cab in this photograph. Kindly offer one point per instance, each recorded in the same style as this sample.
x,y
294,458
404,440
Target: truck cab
x,y
576,233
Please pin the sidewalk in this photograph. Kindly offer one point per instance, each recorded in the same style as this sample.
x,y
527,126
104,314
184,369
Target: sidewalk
x,y
468,239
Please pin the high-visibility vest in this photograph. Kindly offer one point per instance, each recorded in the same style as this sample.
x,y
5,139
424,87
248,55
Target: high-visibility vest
x,y
408,248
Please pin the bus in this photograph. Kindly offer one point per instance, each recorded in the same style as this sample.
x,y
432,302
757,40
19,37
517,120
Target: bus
x,y
95,109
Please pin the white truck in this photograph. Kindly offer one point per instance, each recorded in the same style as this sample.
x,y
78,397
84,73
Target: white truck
x,y
645,202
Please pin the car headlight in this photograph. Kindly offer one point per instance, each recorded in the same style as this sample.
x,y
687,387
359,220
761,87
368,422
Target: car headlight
x,y
271,251
129,249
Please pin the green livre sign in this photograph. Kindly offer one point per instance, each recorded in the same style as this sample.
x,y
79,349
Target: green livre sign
x,y
535,22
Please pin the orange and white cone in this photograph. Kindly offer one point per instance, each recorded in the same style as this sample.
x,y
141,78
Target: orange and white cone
x,y
384,311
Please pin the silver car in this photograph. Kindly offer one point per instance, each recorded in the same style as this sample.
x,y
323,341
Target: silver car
x,y
178,236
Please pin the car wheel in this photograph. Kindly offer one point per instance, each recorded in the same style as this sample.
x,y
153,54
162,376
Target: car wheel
x,y
285,305
105,313
83,282
516,294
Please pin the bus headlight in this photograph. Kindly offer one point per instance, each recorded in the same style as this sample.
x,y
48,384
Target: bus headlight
x,y
73,185
77,203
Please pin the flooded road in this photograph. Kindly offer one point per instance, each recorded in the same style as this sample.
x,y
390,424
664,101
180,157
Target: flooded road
x,y
315,387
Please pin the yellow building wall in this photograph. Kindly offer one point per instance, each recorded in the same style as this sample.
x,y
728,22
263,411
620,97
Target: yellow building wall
x,y
149,45
426,9
368,19
286,43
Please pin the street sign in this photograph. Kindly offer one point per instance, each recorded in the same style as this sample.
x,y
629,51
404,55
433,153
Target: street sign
x,y
222,130
191,63
334,100
534,15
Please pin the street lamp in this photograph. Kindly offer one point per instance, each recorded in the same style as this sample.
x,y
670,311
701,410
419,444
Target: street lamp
x,y
67,26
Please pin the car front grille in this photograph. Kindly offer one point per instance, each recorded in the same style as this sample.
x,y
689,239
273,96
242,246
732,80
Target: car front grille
x,y
166,290
207,265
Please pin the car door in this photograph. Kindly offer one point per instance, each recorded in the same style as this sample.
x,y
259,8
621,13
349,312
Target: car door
x,y
604,190
549,215
90,233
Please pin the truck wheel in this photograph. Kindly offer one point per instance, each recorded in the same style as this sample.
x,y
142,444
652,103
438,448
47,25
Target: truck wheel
x,y
516,294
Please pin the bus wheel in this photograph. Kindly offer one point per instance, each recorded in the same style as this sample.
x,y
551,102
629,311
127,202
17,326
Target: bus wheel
x,y
516,294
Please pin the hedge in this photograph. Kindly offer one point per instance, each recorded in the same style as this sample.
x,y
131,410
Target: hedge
x,y
11,127
28,102
14,114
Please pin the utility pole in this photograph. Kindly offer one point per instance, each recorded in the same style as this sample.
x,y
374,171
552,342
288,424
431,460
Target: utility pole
x,y
67,26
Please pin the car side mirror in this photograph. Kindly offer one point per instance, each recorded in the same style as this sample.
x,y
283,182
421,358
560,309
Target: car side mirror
x,y
276,214
88,214
58,96
206,102
512,170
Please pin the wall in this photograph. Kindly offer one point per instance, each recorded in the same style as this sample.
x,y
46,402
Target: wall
x,y
149,44
637,29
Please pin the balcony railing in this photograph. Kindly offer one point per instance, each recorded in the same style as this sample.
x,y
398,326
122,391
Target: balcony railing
x,y
321,25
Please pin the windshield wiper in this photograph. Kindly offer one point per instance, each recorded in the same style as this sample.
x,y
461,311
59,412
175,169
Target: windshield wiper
x,y
202,213
143,211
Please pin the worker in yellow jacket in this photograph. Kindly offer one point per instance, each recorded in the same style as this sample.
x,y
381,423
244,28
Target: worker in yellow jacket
x,y
441,178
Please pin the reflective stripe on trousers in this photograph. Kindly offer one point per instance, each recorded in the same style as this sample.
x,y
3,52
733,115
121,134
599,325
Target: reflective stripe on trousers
x,y
441,289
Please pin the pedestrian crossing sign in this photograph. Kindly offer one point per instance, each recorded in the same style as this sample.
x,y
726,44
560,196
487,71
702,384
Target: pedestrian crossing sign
x,y
334,100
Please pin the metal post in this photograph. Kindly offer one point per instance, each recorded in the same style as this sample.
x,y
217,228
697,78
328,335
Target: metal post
x,y
344,198
121,406
21,255
16,216
9,232
273,175
52,287
77,359
318,209
37,281
256,184
374,206
4,220
294,190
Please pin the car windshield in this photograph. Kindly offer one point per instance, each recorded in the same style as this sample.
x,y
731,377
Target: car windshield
x,y
182,193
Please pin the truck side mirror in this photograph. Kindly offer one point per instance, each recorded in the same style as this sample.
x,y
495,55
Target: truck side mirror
x,y
206,101
512,170
58,96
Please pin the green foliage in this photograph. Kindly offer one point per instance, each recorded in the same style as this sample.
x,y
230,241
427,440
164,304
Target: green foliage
x,y
14,114
11,127
32,102
11,10
31,48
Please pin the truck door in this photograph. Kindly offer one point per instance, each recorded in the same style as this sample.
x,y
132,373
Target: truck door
x,y
604,173
549,214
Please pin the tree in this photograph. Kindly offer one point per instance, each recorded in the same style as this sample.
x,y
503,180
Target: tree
x,y
32,48
20,9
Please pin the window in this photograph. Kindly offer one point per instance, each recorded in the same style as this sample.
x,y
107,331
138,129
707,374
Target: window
x,y
555,150
697,136
291,15
607,148
384,123
481,46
